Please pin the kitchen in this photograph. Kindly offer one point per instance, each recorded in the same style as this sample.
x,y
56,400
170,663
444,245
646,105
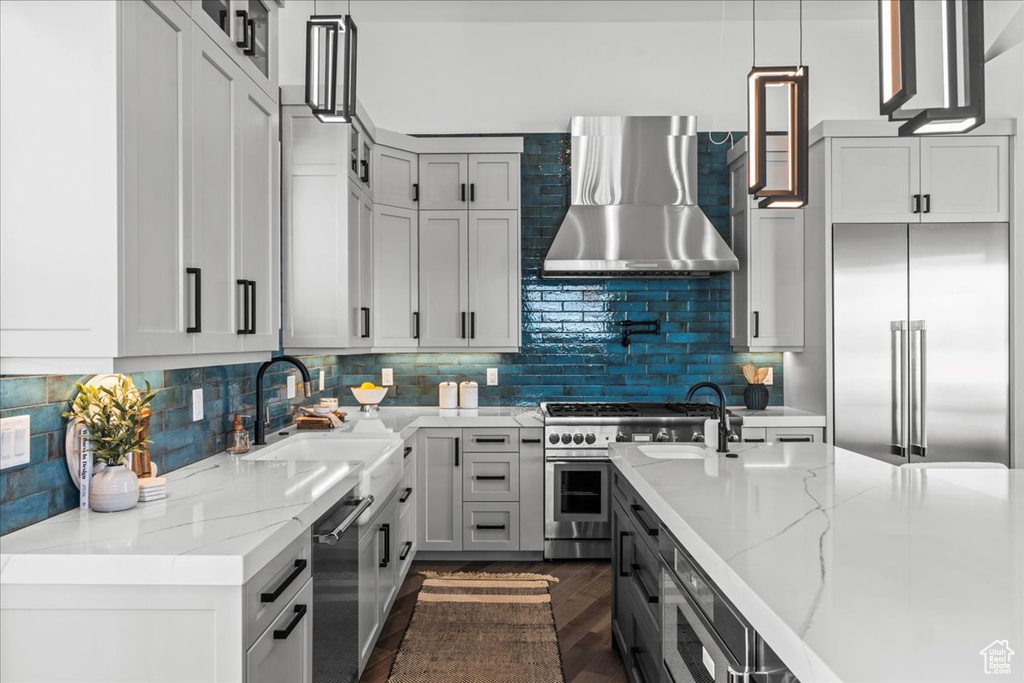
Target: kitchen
x,y
223,224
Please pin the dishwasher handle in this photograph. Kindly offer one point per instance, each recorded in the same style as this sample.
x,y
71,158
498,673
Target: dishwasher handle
x,y
335,536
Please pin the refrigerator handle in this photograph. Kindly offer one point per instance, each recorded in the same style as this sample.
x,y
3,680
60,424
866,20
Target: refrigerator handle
x,y
919,406
898,345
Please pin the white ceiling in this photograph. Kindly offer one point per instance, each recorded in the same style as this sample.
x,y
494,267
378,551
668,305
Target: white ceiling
x,y
599,10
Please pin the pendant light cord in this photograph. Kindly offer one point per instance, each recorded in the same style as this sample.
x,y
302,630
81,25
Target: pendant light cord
x,y
753,33
801,62
721,90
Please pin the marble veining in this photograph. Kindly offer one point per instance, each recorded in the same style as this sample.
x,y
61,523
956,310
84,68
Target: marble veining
x,y
850,568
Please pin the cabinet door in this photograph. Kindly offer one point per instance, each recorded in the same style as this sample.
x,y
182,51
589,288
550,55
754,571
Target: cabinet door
x,y
395,173
444,278
444,180
259,58
396,276
157,295
965,179
875,180
776,272
360,266
494,181
215,237
216,18
388,564
531,489
494,301
259,189
622,558
370,553
440,489
276,657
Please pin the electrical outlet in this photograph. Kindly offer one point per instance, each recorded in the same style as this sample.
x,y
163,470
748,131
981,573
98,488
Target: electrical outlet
x,y
197,404
387,377
321,380
291,386
492,377
15,444
770,377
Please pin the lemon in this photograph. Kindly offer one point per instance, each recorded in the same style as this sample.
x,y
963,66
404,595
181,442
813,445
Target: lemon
x,y
367,385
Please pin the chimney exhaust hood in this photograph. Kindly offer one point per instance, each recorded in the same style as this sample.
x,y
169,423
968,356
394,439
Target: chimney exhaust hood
x,y
634,206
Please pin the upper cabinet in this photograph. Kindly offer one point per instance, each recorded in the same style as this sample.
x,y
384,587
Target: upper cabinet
x,y
247,31
920,180
165,246
396,177
469,181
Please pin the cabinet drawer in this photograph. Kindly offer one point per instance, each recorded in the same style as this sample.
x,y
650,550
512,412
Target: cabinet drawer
x,y
794,434
284,652
754,434
405,529
645,582
490,526
409,454
267,593
621,489
490,477
490,440
645,524
643,660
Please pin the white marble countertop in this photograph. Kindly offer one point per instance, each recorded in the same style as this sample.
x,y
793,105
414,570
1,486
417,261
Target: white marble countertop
x,y
850,568
407,419
778,416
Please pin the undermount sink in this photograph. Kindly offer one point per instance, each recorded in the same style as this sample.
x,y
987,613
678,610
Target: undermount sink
x,y
675,451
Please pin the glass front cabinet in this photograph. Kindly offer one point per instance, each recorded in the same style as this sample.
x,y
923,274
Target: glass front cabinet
x,y
247,31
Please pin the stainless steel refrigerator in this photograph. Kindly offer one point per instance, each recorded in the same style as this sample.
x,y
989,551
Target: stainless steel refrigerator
x,y
921,340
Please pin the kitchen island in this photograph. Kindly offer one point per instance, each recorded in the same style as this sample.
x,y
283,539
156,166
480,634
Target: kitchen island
x,y
851,569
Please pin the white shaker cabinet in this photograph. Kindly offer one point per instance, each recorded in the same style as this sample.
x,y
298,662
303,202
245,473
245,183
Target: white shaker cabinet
x,y
494,271
360,267
439,455
396,176
395,276
469,181
444,279
879,179
246,30
965,179
444,181
285,651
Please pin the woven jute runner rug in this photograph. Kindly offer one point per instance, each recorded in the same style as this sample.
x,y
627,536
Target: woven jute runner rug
x,y
480,628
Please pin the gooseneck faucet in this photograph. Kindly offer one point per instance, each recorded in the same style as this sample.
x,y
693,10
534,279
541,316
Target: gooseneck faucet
x,y
723,426
307,385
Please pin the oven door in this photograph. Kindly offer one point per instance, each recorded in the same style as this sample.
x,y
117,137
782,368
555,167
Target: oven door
x,y
577,498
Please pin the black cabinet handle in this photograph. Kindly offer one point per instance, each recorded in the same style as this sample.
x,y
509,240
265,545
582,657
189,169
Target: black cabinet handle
x,y
416,325
757,324
927,203
244,16
490,439
386,528
622,572
415,192
462,192
634,653
917,204
463,324
637,509
795,439
638,570
405,551
753,440
490,477
406,452
531,440
472,325
246,308
282,633
492,527
456,451
365,177
223,21
252,305
405,496
300,565
472,192
366,322
250,38
197,297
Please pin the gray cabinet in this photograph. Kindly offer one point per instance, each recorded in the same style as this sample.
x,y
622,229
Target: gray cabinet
x,y
490,477
494,302
494,181
360,267
490,527
444,181
531,489
396,284
396,176
622,553
440,489
444,278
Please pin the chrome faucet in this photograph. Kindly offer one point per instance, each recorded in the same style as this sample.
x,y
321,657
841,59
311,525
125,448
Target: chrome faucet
x,y
723,417
307,385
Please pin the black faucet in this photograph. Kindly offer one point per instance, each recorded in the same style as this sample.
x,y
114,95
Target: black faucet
x,y
307,384
723,426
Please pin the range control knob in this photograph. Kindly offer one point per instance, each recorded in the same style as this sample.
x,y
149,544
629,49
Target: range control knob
x,y
663,436
577,438
553,438
590,438
567,438
620,437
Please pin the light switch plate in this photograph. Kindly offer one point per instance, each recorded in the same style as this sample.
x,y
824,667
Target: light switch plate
x,y
492,377
387,377
15,444
291,386
197,404
770,377
321,380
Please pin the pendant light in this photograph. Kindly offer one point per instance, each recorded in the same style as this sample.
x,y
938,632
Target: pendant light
x,y
330,69
794,81
963,107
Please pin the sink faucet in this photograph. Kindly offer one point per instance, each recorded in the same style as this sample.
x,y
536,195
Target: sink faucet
x,y
307,385
723,424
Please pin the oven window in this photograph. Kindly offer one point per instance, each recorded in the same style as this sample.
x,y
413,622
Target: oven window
x,y
581,491
691,650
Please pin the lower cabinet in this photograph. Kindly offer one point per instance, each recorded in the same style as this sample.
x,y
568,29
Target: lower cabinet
x,y
783,434
378,576
285,650
490,526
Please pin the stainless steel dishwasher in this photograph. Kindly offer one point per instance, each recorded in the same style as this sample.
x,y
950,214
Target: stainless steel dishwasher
x,y
336,591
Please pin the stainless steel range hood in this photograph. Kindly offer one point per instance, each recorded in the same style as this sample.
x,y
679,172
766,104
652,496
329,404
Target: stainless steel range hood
x,y
634,206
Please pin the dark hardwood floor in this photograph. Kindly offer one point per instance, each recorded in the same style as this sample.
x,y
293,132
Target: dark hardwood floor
x,y
581,601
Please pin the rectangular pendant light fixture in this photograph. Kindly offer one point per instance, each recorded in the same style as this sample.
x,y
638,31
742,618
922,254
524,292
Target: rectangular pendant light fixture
x,y
330,67
794,81
963,54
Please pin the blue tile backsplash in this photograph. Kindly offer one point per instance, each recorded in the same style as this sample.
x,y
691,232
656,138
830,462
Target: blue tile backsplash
x,y
571,351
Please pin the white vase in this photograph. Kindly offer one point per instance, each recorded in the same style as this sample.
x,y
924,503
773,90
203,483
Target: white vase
x,y
113,488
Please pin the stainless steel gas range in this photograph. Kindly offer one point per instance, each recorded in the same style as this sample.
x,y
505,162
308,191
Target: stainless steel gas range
x,y
577,489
